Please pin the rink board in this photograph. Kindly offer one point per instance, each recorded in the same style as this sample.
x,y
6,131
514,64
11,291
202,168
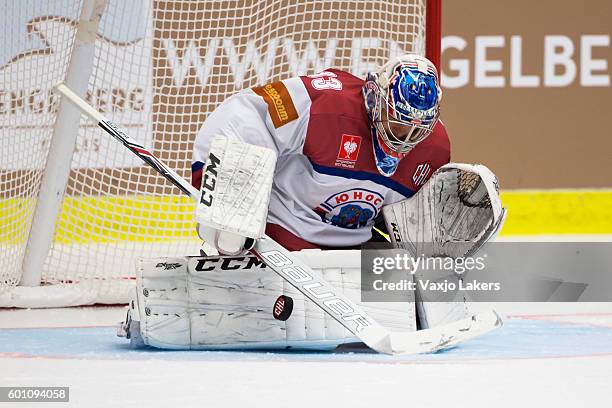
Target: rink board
x,y
163,218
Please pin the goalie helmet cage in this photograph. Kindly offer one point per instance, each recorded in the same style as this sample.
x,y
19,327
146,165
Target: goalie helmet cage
x,y
76,208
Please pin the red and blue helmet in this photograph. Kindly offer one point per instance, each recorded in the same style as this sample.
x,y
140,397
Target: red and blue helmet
x,y
402,100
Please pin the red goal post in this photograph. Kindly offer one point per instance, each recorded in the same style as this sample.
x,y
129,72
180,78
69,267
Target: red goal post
x,y
433,36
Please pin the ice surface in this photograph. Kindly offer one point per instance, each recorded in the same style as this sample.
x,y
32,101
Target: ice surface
x,y
546,355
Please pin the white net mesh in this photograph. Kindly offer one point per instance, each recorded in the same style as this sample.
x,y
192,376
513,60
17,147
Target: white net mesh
x,y
160,67
30,63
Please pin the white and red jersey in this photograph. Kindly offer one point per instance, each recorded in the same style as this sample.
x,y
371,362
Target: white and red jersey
x,y
327,189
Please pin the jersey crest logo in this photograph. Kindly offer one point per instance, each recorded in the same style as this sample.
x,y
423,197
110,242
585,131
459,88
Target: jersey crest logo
x,y
421,173
350,147
349,151
351,208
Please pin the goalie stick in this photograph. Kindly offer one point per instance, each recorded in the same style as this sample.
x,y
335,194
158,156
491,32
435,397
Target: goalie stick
x,y
310,283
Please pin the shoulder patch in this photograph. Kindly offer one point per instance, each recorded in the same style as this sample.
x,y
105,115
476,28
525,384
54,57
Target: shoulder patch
x,y
421,173
280,105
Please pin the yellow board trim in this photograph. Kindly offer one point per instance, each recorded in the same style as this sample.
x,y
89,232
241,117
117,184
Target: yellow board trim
x,y
557,212
106,219
168,218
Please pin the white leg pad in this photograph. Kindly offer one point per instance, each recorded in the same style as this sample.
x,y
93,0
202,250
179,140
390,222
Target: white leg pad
x,y
227,302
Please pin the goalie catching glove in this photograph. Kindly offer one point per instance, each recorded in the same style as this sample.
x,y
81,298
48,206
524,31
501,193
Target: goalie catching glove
x,y
453,215
235,195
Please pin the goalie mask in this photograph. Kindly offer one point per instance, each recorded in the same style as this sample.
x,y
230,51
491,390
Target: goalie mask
x,y
402,101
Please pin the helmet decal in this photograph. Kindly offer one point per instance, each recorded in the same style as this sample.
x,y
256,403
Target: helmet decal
x,y
417,88
404,94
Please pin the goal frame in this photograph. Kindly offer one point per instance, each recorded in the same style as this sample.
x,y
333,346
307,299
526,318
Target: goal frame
x,y
57,168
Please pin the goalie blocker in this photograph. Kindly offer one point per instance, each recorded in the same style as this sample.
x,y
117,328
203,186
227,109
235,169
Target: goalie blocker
x,y
229,302
235,194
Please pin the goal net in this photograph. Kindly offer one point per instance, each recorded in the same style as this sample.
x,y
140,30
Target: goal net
x,y
76,208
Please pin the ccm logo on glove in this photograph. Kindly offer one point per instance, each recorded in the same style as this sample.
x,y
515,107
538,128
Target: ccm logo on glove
x,y
209,180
